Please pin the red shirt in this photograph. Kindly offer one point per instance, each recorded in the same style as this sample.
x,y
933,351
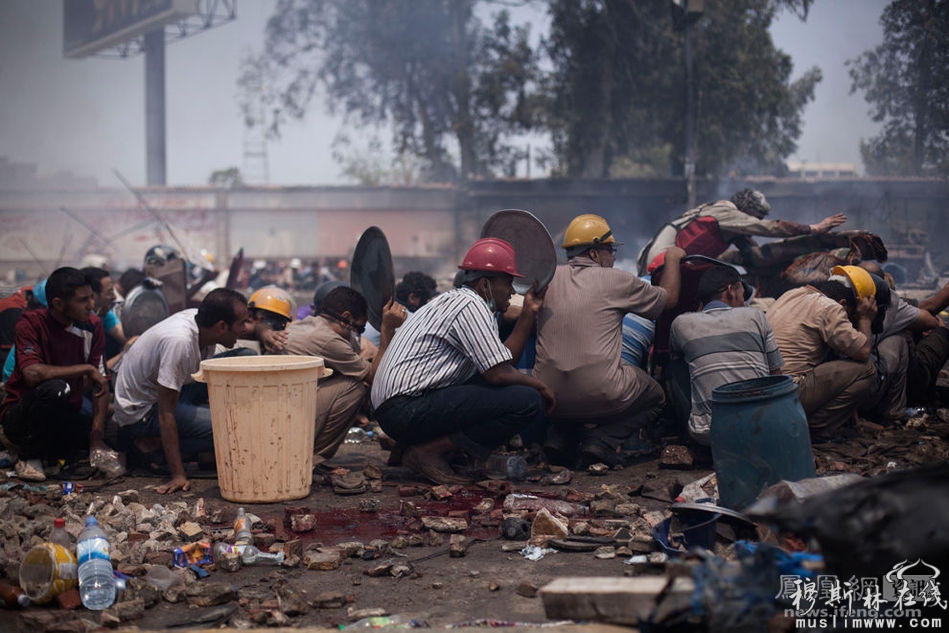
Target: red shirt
x,y
42,339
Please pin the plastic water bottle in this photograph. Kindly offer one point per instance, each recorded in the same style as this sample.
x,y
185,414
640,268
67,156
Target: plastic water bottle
x,y
251,555
510,467
242,533
96,583
59,535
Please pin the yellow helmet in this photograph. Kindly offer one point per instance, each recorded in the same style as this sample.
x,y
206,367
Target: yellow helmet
x,y
272,299
587,230
859,278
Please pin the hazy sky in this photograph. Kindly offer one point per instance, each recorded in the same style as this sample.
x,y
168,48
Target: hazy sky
x,y
87,116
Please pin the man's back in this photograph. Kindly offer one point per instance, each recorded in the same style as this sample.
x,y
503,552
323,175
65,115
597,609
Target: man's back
x,y
165,354
722,345
579,336
446,342
807,324
313,336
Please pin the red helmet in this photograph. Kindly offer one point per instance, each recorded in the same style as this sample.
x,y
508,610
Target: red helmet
x,y
491,254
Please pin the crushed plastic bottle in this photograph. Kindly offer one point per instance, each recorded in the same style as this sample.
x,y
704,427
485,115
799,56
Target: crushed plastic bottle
x,y
509,467
383,621
357,435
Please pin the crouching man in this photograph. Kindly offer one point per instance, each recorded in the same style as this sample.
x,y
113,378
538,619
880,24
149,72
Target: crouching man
x,y
447,382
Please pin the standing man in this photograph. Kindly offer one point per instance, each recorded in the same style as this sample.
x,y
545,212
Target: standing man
x,y
723,342
154,407
334,335
58,353
447,382
824,334
601,401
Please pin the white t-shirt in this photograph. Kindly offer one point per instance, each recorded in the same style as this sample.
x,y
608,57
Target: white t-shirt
x,y
166,354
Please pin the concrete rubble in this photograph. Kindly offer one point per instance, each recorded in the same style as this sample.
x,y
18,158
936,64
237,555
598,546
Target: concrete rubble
x,y
611,521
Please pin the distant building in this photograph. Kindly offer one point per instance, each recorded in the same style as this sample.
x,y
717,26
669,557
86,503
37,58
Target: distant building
x,y
15,175
821,171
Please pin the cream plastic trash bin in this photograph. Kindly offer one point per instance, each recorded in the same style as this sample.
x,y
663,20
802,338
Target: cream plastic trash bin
x,y
263,412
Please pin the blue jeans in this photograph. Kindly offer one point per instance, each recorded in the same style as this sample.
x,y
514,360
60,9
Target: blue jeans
x,y
192,415
477,416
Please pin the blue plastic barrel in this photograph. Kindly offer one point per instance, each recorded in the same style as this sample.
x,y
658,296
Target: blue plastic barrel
x,y
759,436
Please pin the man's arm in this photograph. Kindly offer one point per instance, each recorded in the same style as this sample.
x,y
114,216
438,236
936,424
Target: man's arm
x,y
936,303
36,373
393,315
672,276
517,339
866,310
168,429
505,374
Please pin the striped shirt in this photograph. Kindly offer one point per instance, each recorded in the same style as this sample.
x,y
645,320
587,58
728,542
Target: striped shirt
x,y
722,345
445,343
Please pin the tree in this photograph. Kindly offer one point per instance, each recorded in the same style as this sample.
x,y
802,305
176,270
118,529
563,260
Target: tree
x,y
227,178
448,85
906,80
616,96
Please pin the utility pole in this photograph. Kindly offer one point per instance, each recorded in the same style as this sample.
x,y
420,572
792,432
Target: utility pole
x,y
691,12
155,107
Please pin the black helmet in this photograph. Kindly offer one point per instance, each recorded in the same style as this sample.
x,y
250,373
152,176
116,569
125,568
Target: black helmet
x,y
160,254
883,298
322,290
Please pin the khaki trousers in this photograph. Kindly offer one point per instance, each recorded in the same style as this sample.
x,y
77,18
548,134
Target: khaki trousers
x,y
338,400
831,392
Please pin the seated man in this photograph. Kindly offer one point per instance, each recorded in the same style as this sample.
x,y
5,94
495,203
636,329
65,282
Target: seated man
x,y
104,293
152,408
910,346
334,335
58,349
447,382
722,343
812,324
601,401
414,291
35,298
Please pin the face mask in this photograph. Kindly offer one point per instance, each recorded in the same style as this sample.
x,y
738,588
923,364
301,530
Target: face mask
x,y
490,300
355,340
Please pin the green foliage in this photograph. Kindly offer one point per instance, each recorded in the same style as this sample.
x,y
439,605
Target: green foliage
x,y
446,84
227,178
906,81
618,89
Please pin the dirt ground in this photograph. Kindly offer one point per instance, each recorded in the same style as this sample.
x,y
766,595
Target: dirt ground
x,y
487,582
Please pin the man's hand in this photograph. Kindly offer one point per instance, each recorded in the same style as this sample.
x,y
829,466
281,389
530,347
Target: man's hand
x,y
674,252
273,341
550,400
393,315
828,223
100,384
534,300
177,483
867,308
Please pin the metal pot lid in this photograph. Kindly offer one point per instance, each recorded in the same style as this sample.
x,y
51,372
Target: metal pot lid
x,y
234,272
711,509
533,249
371,273
143,308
